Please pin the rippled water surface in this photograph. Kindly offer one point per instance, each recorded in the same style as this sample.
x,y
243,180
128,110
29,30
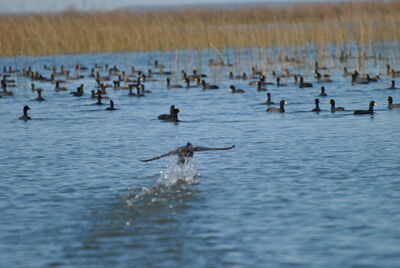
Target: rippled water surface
x,y
300,189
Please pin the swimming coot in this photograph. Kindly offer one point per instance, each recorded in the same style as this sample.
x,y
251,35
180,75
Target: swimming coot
x,y
281,108
369,111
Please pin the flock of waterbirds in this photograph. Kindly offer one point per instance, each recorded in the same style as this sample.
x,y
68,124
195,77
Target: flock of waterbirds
x,y
113,77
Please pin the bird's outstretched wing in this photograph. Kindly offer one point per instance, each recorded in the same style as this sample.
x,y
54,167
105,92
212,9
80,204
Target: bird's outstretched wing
x,y
164,155
157,157
183,148
202,149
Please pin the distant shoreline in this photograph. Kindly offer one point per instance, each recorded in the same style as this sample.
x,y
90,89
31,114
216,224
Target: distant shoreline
x,y
318,24
227,5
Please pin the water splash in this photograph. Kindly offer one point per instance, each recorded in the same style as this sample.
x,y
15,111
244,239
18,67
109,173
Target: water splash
x,y
174,173
171,185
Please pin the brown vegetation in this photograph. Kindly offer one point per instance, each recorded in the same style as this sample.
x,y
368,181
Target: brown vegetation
x,y
317,24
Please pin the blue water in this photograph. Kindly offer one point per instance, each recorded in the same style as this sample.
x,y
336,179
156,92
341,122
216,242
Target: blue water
x,y
299,190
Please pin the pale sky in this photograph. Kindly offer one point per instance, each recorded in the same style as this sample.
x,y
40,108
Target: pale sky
x,y
18,6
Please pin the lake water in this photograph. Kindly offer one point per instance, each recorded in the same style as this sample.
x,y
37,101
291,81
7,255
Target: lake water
x,y
299,190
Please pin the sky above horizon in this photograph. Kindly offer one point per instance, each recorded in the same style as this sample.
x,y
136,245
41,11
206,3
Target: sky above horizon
x,y
22,6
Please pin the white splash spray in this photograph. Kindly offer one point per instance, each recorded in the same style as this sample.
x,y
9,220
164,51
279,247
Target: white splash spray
x,y
174,173
171,185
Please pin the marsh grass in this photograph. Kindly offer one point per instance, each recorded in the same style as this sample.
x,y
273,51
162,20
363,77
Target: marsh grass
x,y
315,24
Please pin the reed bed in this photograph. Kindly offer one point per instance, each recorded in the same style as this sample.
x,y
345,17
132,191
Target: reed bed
x,y
358,23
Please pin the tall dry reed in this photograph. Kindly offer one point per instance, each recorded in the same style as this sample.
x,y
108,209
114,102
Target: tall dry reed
x,y
317,24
